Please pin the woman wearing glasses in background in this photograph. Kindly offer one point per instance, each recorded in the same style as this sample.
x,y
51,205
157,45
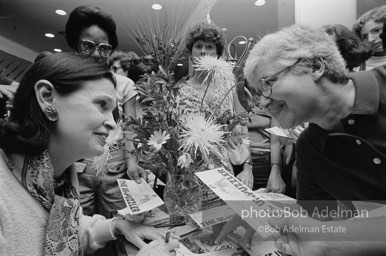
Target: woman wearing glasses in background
x,y
92,32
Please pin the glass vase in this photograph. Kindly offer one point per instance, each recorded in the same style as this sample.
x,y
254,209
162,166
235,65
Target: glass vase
x,y
182,196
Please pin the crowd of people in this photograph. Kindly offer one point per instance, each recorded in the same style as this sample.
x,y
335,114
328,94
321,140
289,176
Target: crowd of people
x,y
329,82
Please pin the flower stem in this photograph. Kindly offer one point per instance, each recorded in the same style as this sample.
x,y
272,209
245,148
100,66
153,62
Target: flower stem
x,y
206,90
164,158
226,95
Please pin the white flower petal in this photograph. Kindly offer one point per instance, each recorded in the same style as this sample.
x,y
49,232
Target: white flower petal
x,y
201,134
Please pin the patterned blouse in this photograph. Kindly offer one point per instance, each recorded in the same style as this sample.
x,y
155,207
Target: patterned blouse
x,y
191,96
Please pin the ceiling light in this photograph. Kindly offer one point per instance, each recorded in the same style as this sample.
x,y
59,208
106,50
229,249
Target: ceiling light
x,y
57,50
156,7
242,42
60,12
49,35
260,2
180,64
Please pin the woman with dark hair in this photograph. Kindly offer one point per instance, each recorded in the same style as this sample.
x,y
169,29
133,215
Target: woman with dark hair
x,y
92,32
62,112
262,168
90,17
206,39
208,33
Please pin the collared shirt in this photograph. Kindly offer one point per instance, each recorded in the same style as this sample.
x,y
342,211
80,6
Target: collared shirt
x,y
348,165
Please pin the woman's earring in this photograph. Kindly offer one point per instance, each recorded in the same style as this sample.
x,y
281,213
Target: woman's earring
x,y
51,113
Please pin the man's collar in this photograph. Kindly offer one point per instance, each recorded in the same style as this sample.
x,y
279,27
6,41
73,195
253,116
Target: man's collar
x,y
366,102
366,93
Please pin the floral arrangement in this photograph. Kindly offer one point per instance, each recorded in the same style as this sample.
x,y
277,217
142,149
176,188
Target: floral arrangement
x,y
160,35
165,51
172,138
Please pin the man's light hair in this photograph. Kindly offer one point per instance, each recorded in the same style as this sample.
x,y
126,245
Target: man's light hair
x,y
286,46
377,14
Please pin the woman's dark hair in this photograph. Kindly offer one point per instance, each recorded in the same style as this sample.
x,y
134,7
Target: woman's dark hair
x,y
28,130
41,55
350,46
84,17
207,33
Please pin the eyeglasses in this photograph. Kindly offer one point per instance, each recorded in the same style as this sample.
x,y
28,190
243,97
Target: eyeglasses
x,y
130,62
88,47
265,85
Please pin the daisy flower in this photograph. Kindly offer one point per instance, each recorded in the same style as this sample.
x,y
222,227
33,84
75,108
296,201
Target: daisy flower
x,y
158,138
203,134
184,160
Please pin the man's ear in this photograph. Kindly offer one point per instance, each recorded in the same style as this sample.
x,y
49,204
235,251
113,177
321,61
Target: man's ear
x,y
44,92
318,69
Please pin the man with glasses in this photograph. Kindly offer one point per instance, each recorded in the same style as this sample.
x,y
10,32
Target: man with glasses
x,y
300,76
305,80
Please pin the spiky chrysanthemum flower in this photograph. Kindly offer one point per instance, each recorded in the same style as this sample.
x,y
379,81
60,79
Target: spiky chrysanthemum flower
x,y
218,71
203,134
158,138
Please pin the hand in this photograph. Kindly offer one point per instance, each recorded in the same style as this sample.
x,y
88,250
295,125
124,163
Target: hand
x,y
139,218
6,91
159,248
238,152
134,171
300,244
136,233
275,181
246,176
295,132
231,225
